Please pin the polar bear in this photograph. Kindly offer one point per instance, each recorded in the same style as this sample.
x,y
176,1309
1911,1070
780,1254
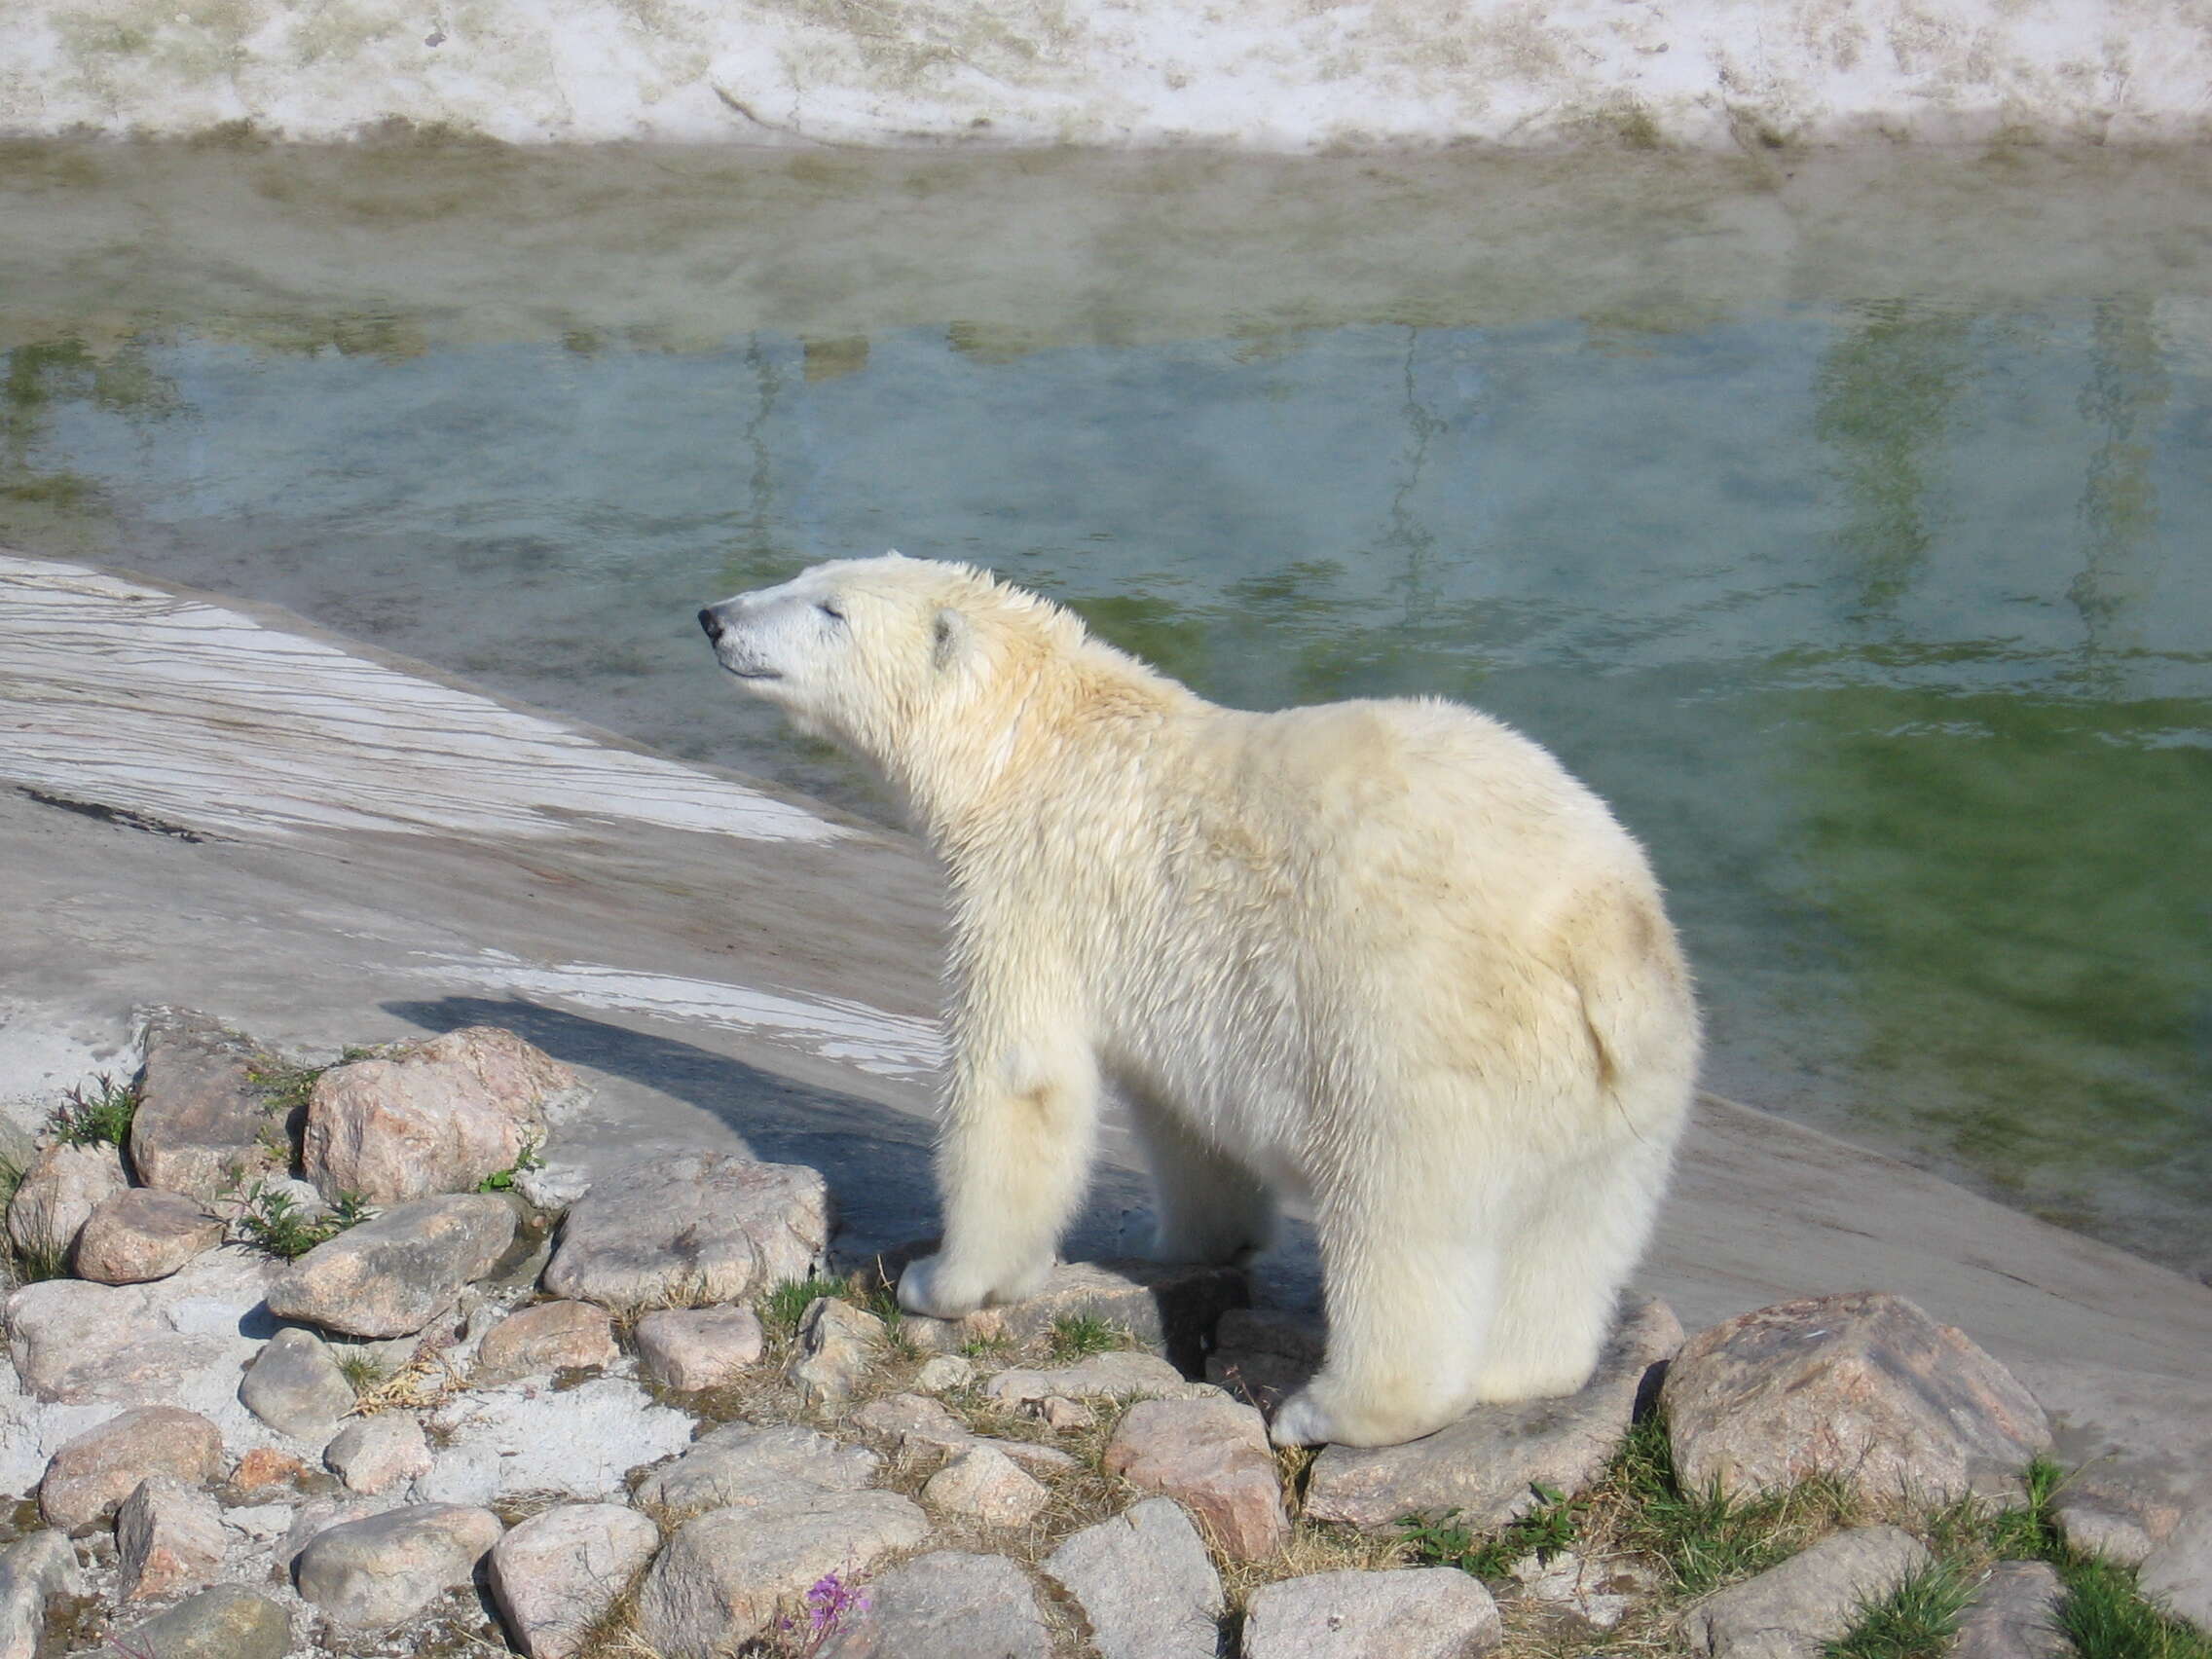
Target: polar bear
x,y
1386,959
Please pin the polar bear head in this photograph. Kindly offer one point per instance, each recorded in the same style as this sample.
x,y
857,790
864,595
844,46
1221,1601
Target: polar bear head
x,y
892,657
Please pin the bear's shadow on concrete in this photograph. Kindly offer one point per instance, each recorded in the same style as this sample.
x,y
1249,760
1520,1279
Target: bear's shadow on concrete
x,y
875,1159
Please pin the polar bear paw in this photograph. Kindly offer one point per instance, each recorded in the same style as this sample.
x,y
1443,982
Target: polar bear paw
x,y
1302,1421
944,1290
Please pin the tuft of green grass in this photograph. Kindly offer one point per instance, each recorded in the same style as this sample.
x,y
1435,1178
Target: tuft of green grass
x,y
91,1114
17,1265
1916,1620
1545,1531
2106,1617
35,1264
360,1371
285,1087
2030,1532
1076,1335
1706,1539
501,1180
2103,1614
274,1221
786,1304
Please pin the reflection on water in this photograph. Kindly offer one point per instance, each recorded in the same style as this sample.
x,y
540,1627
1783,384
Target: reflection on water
x,y
1882,616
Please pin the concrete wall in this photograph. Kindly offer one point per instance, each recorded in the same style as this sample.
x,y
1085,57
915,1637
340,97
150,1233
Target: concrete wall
x,y
1288,75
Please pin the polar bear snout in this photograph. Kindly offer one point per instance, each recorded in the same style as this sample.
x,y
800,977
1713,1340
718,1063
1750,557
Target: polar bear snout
x,y
738,646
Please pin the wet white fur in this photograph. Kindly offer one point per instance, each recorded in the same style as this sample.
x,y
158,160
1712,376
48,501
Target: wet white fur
x,y
1386,956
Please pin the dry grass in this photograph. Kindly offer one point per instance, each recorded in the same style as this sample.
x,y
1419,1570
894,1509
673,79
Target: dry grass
x,y
423,1383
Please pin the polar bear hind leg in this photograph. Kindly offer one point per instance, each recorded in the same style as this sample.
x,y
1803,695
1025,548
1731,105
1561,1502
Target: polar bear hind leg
x,y
1207,1206
1572,1245
1412,1261
1408,1316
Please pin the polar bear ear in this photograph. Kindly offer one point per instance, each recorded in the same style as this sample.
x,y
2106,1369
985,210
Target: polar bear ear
x,y
949,634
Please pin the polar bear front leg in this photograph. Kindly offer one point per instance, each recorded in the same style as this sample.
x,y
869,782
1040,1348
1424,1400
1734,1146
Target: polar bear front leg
x,y
1011,1164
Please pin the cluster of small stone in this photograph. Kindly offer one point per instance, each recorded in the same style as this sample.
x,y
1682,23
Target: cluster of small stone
x,y
199,1453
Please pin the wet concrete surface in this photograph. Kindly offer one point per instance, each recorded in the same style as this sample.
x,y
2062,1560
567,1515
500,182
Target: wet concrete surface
x,y
764,986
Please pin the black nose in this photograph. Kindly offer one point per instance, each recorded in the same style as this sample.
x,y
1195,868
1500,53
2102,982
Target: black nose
x,y
711,622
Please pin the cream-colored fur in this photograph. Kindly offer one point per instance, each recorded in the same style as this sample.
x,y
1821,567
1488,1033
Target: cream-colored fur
x,y
1387,957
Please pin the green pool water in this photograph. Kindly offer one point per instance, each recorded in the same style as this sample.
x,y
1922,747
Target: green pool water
x,y
1844,521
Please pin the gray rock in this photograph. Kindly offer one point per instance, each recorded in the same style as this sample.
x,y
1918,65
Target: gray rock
x,y
705,1348
2013,1615
1599,1593
434,1116
741,1466
911,1421
1864,1385
945,1606
2178,1573
392,1276
1124,1375
555,1574
317,1516
1170,1308
378,1453
944,1373
1144,1582
142,1235
227,1622
89,1477
1486,1464
2110,1525
76,1343
1212,1456
554,1189
690,1230
985,1484
59,1193
18,1145
550,1337
168,1538
203,1125
1066,1417
55,1324
1431,1612
294,1385
375,1572
1794,1609
35,1570
837,1346
717,1582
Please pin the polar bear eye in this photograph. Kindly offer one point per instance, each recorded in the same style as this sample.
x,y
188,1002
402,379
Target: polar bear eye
x,y
831,611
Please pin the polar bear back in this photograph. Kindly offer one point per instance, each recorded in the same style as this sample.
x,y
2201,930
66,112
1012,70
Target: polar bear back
x,y
1400,884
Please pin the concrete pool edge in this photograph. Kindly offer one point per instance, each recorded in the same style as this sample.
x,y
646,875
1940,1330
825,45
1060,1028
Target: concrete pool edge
x,y
775,993
1712,74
